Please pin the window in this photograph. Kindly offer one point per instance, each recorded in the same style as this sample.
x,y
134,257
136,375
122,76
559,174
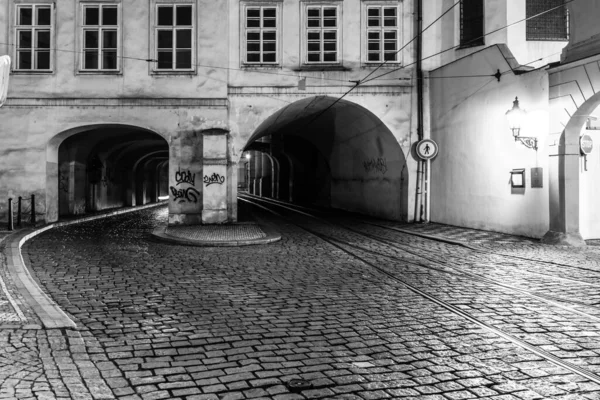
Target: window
x,y
553,25
322,34
174,37
100,37
471,23
261,35
382,33
33,35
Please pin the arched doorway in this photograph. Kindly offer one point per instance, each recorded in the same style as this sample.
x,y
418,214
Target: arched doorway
x,y
335,153
97,167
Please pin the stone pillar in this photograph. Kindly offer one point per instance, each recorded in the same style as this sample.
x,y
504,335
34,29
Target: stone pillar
x,y
564,188
215,177
130,188
265,185
251,173
185,178
257,173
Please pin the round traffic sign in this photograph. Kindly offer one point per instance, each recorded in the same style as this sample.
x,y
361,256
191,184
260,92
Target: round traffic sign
x,y
427,149
586,144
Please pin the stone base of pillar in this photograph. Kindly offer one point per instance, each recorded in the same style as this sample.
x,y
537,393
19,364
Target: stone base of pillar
x,y
214,216
563,239
185,219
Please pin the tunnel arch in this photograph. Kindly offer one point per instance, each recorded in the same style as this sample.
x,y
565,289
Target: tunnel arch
x,y
340,149
73,187
566,212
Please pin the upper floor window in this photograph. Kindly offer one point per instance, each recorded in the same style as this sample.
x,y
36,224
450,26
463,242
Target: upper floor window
x,y
174,40
553,25
100,37
382,33
261,32
33,36
322,34
471,23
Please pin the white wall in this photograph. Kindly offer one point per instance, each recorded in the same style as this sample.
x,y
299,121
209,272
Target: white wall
x,y
589,189
445,34
470,176
584,38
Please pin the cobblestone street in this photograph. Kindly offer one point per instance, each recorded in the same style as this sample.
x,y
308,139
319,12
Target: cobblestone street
x,y
162,321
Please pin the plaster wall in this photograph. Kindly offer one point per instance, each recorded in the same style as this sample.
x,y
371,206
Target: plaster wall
x,y
367,157
471,175
352,65
445,34
31,136
136,78
584,38
589,190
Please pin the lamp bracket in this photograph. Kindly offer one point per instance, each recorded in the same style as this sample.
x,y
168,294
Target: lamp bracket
x,y
529,142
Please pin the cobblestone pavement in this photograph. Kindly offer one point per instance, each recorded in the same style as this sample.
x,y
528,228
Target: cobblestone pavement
x,y
158,321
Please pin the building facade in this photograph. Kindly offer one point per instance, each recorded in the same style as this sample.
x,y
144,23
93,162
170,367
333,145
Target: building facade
x,y
115,103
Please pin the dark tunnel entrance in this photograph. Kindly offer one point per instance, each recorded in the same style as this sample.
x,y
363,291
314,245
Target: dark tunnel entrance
x,y
327,153
107,167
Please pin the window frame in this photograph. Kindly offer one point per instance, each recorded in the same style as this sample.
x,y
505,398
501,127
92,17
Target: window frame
x,y
15,28
476,41
276,4
381,4
153,40
546,37
83,28
304,29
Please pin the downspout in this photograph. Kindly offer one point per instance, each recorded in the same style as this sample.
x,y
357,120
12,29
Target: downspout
x,y
419,56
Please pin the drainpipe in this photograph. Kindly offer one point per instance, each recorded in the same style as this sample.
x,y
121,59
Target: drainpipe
x,y
419,56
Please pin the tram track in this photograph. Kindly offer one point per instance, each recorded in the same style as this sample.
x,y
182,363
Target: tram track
x,y
552,300
339,244
446,241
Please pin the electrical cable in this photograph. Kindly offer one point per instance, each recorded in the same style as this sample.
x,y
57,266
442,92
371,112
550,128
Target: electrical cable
x,y
413,39
150,60
482,36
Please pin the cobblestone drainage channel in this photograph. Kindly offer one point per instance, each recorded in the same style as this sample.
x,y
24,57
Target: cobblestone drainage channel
x,y
298,385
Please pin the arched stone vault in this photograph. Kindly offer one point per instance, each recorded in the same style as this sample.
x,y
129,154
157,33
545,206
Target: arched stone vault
x,y
358,161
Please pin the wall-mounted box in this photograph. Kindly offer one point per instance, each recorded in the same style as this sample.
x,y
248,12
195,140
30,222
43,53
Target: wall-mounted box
x,y
517,178
537,177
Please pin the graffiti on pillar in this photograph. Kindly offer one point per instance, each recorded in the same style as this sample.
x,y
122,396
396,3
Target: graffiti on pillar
x,y
180,195
378,164
214,178
185,176
190,194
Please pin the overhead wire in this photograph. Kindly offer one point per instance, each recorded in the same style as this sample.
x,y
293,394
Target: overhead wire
x,y
482,36
151,60
365,80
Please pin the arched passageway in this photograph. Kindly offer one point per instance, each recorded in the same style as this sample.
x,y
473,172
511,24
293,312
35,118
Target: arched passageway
x,y
105,166
578,175
329,153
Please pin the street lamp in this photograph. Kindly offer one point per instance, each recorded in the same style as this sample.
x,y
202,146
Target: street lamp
x,y
516,117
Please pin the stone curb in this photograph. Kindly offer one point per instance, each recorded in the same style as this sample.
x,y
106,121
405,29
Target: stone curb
x,y
272,236
51,316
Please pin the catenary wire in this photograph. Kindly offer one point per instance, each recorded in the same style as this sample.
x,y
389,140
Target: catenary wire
x,y
482,36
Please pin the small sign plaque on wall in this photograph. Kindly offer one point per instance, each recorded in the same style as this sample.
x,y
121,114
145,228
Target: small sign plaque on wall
x,y
537,177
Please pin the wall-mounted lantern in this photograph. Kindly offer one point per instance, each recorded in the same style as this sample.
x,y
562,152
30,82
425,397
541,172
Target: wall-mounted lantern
x,y
516,118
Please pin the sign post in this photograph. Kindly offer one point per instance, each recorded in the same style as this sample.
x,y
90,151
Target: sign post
x,y
586,145
426,150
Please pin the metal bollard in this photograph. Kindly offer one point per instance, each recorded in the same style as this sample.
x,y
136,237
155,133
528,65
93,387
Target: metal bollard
x,y
10,214
19,212
33,209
